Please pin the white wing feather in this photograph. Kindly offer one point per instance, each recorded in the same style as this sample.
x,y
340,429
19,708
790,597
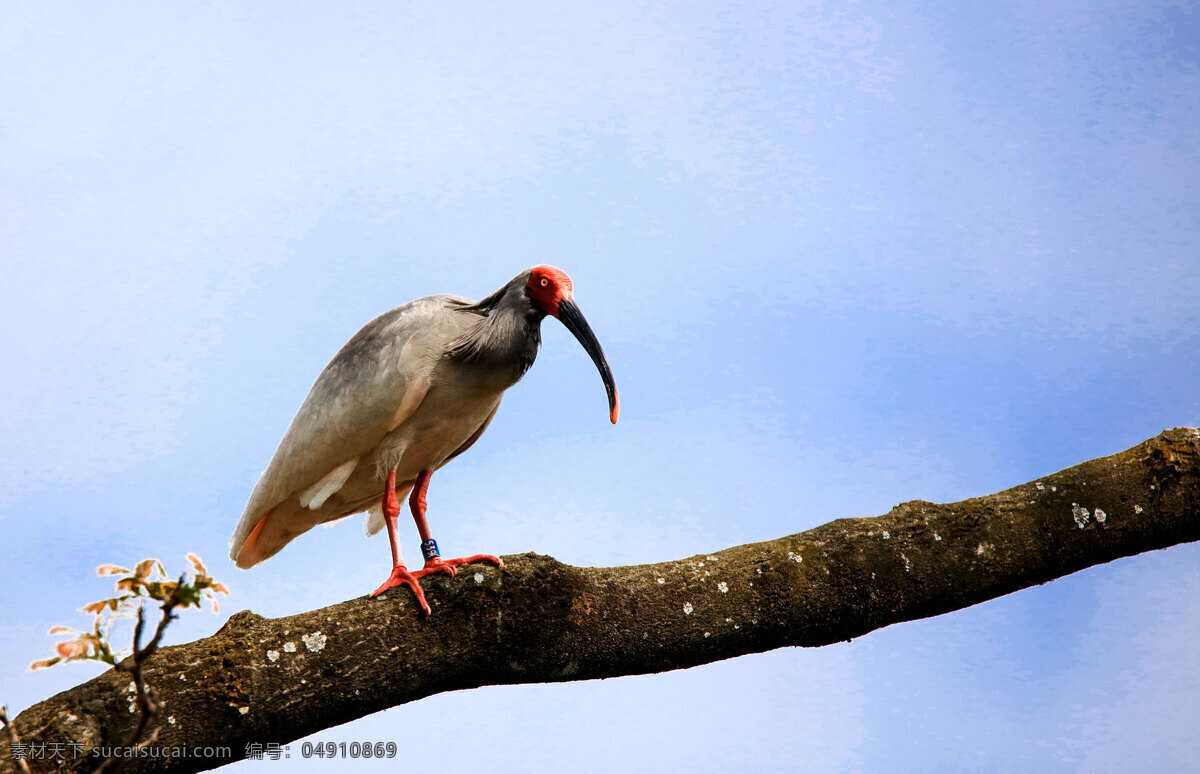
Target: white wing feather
x,y
316,495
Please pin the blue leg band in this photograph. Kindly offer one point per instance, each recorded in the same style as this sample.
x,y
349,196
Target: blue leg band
x,y
429,549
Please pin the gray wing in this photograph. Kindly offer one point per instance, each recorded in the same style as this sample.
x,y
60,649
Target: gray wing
x,y
371,386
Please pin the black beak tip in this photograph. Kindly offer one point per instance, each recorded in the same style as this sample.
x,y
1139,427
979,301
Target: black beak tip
x,y
573,319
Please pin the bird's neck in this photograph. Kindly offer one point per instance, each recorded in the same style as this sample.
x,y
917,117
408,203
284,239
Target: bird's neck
x,y
503,341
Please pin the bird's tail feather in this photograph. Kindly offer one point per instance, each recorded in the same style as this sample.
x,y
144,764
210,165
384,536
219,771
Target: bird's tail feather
x,y
250,552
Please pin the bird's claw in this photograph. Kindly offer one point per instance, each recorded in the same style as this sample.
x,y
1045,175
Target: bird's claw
x,y
437,564
450,566
402,577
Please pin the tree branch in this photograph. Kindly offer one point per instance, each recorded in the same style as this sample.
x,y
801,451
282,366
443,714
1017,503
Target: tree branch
x,y
537,620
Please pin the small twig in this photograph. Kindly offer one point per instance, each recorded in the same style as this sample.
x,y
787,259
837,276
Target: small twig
x,y
13,739
147,704
168,611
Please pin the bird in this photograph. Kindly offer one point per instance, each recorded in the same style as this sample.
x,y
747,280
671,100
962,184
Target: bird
x,y
413,389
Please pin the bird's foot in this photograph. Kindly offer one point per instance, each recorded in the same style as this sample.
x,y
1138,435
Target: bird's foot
x,y
450,566
402,577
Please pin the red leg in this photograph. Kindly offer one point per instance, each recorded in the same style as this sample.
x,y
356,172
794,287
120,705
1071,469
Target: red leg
x,y
400,575
416,503
434,562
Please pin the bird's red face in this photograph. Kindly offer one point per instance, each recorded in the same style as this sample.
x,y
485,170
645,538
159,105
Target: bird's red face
x,y
547,287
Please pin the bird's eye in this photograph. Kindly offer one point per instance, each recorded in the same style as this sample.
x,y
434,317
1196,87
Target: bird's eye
x,y
545,282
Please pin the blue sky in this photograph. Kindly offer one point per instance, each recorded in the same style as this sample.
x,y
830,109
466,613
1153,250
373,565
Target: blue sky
x,y
840,256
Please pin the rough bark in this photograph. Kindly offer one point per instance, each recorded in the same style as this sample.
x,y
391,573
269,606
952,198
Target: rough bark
x,y
538,620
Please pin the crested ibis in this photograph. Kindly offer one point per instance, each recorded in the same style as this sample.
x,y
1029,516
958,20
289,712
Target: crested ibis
x,y
409,392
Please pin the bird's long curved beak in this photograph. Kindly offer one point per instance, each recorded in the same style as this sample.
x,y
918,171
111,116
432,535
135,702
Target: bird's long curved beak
x,y
571,317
